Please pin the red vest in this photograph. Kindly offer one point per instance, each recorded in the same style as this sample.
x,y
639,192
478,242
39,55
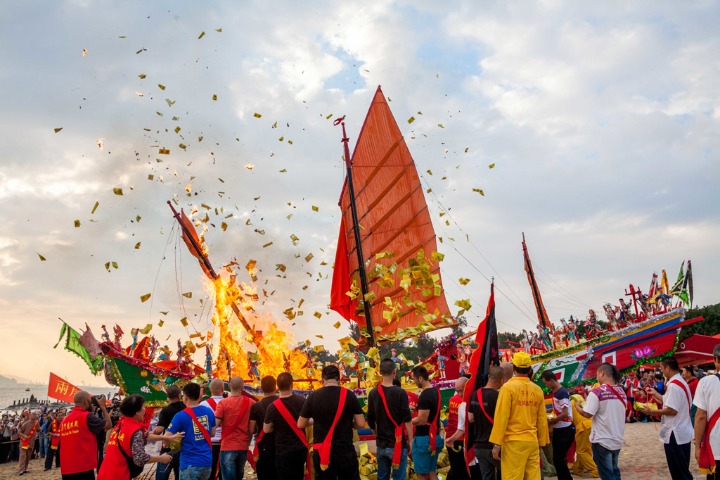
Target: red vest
x,y
452,419
55,441
79,452
114,465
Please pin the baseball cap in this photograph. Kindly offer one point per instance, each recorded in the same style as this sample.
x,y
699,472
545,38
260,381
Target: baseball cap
x,y
521,360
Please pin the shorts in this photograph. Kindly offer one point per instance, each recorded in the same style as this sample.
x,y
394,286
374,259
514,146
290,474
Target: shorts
x,y
423,461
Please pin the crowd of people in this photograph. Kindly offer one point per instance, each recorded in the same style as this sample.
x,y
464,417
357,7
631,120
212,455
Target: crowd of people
x,y
509,432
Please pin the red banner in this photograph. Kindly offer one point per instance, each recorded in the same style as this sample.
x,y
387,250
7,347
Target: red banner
x,y
61,389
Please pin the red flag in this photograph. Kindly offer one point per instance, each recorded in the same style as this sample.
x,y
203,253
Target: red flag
x,y
60,389
339,301
194,242
485,356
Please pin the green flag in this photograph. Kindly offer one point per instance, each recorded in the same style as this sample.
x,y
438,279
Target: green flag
x,y
72,344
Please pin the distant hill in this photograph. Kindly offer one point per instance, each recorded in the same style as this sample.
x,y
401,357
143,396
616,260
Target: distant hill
x,y
7,381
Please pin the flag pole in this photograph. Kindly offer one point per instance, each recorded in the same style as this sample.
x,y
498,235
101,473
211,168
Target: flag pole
x,y
358,239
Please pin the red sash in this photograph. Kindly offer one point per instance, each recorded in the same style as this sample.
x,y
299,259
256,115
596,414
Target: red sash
x,y
434,425
199,426
686,389
213,404
707,458
397,449
25,443
292,422
618,396
324,447
482,407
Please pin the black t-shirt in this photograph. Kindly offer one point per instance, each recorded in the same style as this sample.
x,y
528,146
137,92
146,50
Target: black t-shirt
x,y
166,416
257,413
321,405
397,402
428,401
286,441
482,425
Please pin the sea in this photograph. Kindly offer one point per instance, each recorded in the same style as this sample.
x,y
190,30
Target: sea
x,y
18,392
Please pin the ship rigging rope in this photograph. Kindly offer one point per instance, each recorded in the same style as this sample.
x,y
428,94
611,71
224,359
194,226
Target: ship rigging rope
x,y
157,275
500,290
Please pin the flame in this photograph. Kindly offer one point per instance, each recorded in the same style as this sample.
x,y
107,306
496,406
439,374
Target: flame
x,y
237,350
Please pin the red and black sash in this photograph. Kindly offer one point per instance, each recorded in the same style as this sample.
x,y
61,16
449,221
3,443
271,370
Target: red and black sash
x,y
397,449
323,448
292,422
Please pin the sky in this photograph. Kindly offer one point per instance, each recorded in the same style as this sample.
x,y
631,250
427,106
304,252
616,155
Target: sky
x,y
601,121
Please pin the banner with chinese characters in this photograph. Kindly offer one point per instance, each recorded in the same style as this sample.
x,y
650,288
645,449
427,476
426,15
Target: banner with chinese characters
x,y
60,389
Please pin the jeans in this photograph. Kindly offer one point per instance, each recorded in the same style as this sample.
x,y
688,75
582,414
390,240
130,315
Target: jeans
x,y
606,461
195,473
384,459
232,464
44,445
163,471
562,439
678,459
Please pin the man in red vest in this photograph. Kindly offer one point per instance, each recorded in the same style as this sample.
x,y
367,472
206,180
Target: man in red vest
x,y
453,435
334,409
78,435
54,433
291,445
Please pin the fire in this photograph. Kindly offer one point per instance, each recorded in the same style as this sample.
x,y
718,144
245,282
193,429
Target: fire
x,y
242,353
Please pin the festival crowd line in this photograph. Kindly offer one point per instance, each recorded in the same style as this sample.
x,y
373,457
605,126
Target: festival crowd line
x,y
508,429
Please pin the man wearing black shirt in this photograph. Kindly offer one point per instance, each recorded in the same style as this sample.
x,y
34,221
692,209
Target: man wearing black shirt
x,y
174,406
290,449
396,402
265,466
427,422
322,406
482,417
563,430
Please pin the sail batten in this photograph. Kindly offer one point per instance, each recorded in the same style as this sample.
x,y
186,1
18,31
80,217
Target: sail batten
x,y
392,217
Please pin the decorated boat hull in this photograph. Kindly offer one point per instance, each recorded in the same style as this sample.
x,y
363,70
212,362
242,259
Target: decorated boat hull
x,y
641,343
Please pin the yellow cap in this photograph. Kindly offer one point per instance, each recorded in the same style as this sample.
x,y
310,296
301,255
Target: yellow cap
x,y
521,360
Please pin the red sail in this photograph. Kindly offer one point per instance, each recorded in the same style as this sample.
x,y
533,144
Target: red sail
x,y
394,218
341,282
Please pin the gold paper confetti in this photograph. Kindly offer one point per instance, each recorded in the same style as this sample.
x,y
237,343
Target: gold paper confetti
x,y
137,245
187,294
411,120
492,165
257,115
214,97
144,298
42,259
201,35
463,281
97,204
184,321
161,86
117,191
57,129
77,223
478,190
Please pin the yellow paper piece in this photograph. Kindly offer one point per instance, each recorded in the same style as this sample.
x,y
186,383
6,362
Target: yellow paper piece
x,y
257,115
117,191
144,298
42,259
184,321
147,329
77,223
319,348
337,324
364,449
57,129
187,295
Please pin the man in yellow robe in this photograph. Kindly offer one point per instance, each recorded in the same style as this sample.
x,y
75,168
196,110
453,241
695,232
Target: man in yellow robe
x,y
521,425
583,449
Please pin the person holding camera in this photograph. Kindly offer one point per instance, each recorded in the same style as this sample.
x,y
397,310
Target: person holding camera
x,y
125,457
78,435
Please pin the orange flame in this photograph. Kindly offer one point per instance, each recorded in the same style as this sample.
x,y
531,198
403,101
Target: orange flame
x,y
236,353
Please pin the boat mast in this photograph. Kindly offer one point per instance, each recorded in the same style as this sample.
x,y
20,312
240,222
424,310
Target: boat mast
x,y
206,262
539,307
356,229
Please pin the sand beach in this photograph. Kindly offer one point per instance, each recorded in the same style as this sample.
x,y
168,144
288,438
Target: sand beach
x,y
642,458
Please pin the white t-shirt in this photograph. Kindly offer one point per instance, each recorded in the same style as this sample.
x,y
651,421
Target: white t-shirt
x,y
218,430
608,411
678,398
707,397
561,400
461,416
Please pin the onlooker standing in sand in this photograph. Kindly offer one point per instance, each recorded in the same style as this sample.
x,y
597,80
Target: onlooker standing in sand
x,y
707,431
676,431
563,433
606,405
28,434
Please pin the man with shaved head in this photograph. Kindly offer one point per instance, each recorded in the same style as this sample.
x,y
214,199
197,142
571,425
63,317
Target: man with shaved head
x,y
482,414
217,387
78,436
233,414
507,369
28,432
